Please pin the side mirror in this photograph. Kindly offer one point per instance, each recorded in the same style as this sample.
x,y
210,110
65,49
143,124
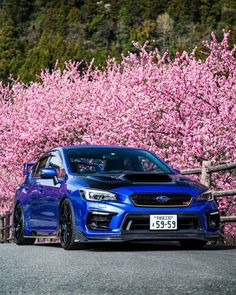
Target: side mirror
x,y
48,173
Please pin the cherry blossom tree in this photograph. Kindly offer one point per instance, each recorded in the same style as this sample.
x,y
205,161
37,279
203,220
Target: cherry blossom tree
x,y
183,109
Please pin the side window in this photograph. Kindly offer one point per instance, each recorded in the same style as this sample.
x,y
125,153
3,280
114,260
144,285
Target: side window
x,y
34,170
41,164
55,161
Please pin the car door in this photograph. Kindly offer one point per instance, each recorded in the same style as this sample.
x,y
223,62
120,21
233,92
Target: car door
x,y
35,188
50,194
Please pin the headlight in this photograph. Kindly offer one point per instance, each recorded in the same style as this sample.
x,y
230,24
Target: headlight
x,y
98,195
206,196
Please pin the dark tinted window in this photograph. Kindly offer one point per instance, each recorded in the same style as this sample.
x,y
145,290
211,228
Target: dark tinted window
x,y
94,160
148,165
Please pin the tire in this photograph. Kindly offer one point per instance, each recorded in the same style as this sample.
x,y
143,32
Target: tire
x,y
19,227
67,229
193,244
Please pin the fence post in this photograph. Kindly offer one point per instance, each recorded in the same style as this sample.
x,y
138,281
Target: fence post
x,y
206,175
8,227
2,228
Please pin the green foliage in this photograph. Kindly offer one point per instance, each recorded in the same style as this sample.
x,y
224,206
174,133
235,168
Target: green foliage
x,y
35,34
11,50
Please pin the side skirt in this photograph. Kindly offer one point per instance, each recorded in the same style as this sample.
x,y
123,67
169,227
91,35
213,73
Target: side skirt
x,y
42,235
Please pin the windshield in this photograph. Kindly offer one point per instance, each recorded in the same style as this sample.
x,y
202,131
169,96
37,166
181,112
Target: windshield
x,y
113,160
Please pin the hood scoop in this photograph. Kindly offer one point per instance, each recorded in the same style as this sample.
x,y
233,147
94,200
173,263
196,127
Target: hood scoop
x,y
146,177
108,178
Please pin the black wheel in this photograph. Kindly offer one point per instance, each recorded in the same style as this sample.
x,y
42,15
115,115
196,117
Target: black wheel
x,y
67,232
193,244
18,227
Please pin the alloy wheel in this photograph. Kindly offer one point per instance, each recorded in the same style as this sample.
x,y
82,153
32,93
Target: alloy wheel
x,y
65,223
18,223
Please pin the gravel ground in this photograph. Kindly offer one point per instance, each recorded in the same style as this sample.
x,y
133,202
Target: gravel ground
x,y
117,269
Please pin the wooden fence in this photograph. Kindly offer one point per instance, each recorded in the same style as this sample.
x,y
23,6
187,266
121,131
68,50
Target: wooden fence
x,y
6,227
205,173
205,177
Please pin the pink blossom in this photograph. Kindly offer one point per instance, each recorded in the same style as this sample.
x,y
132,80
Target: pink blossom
x,y
182,109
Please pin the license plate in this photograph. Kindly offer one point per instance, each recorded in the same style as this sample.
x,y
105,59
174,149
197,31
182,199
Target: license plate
x,y
163,222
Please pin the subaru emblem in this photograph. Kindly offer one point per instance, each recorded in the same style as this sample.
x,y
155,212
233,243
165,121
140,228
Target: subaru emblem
x,y
162,199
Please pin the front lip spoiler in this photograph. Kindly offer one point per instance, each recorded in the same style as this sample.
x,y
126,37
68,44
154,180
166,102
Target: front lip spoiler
x,y
148,237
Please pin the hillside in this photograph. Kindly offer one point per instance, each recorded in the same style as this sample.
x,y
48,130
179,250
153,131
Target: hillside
x,y
34,34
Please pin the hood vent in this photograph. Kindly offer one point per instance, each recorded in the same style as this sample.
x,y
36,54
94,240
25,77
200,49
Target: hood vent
x,y
104,178
146,177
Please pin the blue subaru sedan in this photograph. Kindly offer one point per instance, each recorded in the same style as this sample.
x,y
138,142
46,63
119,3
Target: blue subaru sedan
x,y
84,194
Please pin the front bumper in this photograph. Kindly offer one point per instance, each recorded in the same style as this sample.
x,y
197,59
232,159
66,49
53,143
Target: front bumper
x,y
136,227
124,237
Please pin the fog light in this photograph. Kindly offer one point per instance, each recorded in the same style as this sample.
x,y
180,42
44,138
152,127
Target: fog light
x,y
213,220
93,225
99,220
212,223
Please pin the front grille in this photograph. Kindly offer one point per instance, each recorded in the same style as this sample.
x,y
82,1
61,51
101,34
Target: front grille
x,y
161,200
136,222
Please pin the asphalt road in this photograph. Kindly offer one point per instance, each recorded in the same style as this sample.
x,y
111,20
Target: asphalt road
x,y
116,269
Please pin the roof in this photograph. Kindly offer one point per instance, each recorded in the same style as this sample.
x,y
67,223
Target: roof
x,y
99,146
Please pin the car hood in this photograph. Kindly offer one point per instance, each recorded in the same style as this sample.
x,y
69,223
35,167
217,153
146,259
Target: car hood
x,y
112,181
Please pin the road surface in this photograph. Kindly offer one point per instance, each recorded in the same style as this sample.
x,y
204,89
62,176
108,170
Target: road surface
x,y
117,269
